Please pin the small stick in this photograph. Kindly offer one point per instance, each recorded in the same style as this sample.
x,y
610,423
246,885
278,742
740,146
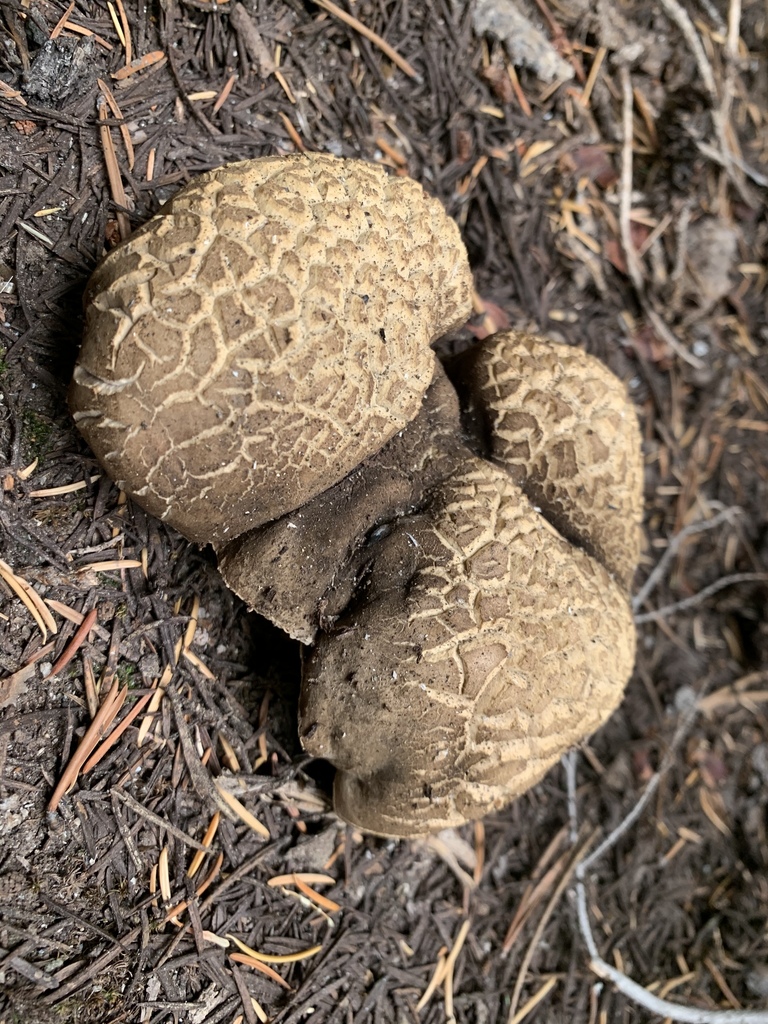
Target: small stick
x,y
625,193
702,595
368,34
674,546
162,823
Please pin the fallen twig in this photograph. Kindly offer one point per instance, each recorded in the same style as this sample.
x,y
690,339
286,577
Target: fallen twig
x,y
674,546
702,595
631,989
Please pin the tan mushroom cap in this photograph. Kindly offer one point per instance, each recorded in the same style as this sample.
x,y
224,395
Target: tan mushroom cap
x,y
560,423
485,646
262,335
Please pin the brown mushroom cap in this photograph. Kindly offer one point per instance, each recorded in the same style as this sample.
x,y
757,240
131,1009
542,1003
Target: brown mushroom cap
x,y
481,646
262,335
256,371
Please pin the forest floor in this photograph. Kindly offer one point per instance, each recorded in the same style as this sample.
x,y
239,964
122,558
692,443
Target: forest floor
x,y
610,188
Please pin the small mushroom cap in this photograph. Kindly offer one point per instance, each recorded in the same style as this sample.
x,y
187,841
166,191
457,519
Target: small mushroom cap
x,y
262,335
481,647
561,424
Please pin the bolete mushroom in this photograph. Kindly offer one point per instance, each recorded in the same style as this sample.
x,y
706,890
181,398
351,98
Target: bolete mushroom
x,y
454,550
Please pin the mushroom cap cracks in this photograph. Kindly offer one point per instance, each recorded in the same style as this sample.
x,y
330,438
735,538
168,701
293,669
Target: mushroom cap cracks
x,y
484,646
262,335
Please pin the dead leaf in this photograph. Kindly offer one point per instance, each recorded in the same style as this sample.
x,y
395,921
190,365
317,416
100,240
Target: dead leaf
x,y
594,163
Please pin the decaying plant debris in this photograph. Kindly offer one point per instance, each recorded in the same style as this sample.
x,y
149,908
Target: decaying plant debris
x,y
583,206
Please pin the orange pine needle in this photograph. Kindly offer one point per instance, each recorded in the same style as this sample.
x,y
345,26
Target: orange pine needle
x,y
316,897
116,733
224,94
62,21
153,57
75,643
207,839
249,961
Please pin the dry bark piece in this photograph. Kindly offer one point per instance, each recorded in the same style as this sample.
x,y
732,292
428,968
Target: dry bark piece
x,y
262,335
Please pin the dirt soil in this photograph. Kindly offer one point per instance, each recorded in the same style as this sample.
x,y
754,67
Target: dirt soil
x,y
619,206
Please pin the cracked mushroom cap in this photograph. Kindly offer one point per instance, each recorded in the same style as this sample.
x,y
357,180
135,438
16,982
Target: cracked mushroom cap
x,y
482,646
262,335
466,603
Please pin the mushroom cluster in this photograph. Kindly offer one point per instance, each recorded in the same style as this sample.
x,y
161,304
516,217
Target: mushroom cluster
x,y
454,545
